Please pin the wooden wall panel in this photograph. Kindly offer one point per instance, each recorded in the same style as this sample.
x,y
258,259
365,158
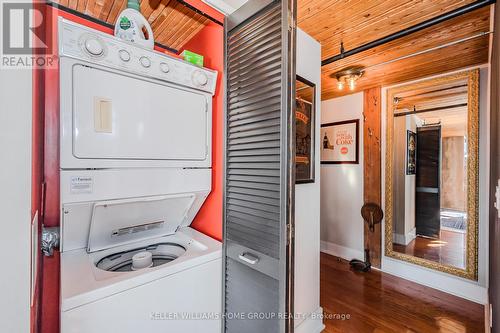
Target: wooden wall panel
x,y
372,168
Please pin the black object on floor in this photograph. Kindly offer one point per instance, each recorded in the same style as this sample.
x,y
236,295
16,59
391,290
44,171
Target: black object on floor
x,y
362,266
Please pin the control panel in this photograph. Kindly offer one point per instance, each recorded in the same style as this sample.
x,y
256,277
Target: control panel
x,y
80,42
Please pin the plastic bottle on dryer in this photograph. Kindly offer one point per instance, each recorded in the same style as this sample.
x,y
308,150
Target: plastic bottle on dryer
x,y
133,27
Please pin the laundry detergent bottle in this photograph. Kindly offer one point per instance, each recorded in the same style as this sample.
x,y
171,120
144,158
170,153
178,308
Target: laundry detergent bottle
x,y
133,27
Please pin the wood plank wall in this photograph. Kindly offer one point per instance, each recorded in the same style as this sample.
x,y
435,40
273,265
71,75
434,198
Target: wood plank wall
x,y
372,168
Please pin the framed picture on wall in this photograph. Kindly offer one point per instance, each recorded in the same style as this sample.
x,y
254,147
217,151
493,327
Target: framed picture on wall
x,y
304,135
340,142
411,152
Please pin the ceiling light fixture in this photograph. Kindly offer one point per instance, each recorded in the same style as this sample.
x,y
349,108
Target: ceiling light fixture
x,y
348,77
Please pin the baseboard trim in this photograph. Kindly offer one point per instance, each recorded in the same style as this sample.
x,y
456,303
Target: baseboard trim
x,y
405,239
313,323
436,280
341,251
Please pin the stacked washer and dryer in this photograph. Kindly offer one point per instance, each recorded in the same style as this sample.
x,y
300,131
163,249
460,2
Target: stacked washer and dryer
x,y
135,168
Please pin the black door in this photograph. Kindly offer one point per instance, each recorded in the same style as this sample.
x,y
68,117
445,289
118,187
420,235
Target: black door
x,y
427,205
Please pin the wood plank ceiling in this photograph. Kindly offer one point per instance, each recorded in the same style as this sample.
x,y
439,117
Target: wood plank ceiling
x,y
173,23
451,98
357,22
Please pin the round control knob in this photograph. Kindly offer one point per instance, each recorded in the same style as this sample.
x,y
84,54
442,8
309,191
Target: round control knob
x,y
145,62
200,78
164,67
124,55
94,46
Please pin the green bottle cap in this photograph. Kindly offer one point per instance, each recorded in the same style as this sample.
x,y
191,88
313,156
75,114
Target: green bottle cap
x,y
134,4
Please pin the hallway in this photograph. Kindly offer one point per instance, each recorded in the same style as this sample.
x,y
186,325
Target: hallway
x,y
378,302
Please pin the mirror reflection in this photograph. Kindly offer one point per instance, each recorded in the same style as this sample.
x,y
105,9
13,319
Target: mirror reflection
x,y
430,164
304,131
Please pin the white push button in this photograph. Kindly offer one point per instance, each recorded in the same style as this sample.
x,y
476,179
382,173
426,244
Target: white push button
x,y
145,62
164,67
124,55
94,47
200,78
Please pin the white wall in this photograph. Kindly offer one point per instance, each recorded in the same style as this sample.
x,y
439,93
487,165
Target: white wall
x,y
475,291
15,198
404,185
342,187
307,207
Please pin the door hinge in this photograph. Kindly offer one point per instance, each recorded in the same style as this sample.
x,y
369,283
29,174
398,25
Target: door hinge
x,y
291,22
497,198
290,234
42,199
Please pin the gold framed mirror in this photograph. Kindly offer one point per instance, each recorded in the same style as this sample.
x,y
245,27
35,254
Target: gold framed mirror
x,y
431,173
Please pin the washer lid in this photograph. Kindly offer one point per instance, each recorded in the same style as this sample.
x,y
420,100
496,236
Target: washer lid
x,y
118,222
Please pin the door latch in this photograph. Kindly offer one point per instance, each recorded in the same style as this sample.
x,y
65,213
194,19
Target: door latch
x,y
50,240
249,258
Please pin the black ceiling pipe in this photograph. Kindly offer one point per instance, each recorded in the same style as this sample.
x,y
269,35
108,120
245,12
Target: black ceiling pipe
x,y
405,32
415,111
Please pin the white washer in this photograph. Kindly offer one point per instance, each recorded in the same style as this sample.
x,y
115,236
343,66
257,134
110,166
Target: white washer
x,y
101,291
135,157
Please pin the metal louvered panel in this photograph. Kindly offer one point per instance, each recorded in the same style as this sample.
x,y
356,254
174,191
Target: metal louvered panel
x,y
258,182
260,295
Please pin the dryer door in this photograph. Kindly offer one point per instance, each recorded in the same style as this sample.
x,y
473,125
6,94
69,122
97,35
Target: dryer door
x,y
121,120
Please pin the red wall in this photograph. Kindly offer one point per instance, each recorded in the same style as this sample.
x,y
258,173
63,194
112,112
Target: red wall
x,y
208,42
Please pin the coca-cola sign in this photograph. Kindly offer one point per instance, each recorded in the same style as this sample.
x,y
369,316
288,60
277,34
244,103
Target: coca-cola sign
x,y
340,142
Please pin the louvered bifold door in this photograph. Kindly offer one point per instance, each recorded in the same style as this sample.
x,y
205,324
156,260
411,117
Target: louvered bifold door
x,y
259,170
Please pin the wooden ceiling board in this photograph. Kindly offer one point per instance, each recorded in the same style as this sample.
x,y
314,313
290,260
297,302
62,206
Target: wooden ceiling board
x,y
151,8
437,62
464,54
189,32
72,4
437,95
175,15
173,23
452,30
357,22
453,118
116,9
452,87
164,18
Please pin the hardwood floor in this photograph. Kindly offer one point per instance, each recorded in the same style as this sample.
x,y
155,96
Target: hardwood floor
x,y
381,303
449,249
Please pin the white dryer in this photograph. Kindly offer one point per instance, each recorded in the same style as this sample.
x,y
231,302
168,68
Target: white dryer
x,y
135,156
